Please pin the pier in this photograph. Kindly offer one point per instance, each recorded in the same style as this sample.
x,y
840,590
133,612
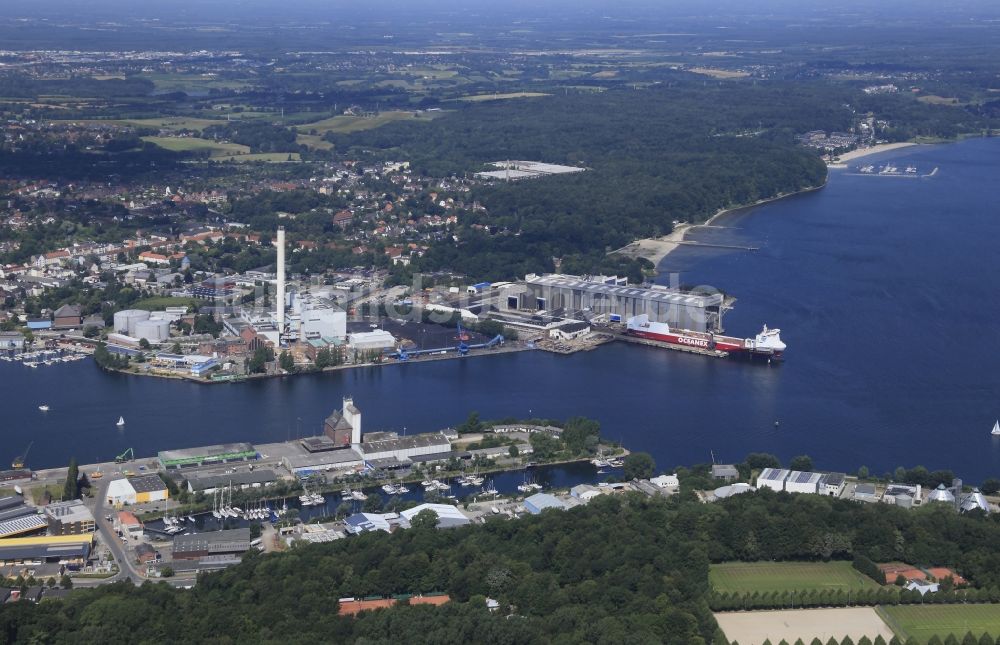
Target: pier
x,y
710,245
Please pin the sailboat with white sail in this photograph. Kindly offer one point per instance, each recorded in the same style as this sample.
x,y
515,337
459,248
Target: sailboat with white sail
x,y
996,428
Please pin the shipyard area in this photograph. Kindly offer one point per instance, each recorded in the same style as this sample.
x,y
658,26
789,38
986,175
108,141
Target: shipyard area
x,y
265,323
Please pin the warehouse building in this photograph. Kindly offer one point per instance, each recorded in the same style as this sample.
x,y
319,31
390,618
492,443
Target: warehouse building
x,y
802,482
24,524
773,478
141,489
305,464
614,298
448,516
359,523
231,542
541,501
71,549
70,518
11,341
832,484
208,484
387,445
219,454
377,340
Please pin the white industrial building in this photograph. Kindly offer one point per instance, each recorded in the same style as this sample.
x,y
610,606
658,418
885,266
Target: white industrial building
x,y
666,481
448,516
611,296
803,482
773,478
832,484
320,321
377,339
136,490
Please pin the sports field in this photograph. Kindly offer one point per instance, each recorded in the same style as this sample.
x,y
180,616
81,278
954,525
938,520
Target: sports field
x,y
755,627
786,576
924,621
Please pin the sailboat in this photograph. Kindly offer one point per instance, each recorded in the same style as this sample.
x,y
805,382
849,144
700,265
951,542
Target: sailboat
x,y
996,428
121,422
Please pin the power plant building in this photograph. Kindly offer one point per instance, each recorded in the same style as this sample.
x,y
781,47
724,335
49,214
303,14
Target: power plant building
x,y
614,298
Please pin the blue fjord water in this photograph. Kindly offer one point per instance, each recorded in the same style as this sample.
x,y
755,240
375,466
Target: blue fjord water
x,y
886,291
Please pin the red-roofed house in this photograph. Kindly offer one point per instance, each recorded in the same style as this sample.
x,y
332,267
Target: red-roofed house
x,y
153,258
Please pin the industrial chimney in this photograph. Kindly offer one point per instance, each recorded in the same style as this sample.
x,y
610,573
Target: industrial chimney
x,y
281,281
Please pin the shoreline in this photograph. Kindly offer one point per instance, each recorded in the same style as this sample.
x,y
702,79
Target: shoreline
x,y
865,152
656,249
519,347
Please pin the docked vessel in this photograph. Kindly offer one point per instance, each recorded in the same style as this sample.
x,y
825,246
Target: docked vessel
x,y
766,344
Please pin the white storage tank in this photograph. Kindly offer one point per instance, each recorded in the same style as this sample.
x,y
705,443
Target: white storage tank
x,y
126,319
155,331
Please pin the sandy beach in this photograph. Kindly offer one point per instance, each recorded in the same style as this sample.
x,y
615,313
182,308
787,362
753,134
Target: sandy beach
x,y
655,249
874,150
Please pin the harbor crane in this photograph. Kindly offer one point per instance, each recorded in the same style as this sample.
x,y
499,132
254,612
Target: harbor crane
x,y
122,457
19,461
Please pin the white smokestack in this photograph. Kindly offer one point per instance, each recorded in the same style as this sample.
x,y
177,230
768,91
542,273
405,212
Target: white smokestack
x,y
281,279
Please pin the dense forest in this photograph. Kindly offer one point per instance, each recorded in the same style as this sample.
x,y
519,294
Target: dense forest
x,y
684,162
622,569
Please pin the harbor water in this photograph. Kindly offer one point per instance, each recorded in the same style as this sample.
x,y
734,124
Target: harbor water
x,y
886,292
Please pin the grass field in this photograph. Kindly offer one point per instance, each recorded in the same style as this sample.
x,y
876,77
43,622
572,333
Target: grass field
x,y
269,157
346,124
786,576
159,304
185,144
933,99
924,621
313,141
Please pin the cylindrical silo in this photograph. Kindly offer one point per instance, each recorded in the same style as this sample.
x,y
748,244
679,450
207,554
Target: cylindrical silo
x,y
126,319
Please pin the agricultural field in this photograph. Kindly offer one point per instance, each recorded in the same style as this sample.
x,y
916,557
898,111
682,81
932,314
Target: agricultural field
x,y
720,74
786,576
188,144
172,123
477,98
756,627
921,622
192,83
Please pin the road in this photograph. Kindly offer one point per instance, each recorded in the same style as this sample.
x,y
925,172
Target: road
x,y
126,567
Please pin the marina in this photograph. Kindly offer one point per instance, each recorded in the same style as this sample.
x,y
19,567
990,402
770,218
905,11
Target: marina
x,y
892,170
